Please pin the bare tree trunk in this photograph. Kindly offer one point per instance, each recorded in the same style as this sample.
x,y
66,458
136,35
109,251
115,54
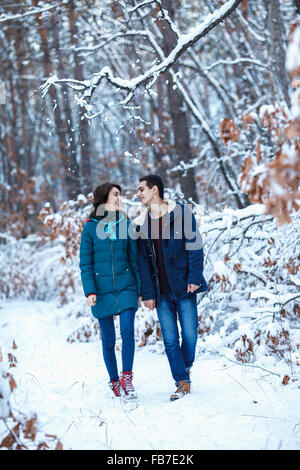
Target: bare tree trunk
x,y
84,139
65,103
277,50
24,140
69,161
178,110
163,133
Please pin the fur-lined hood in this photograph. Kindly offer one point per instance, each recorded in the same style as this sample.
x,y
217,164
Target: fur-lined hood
x,y
140,219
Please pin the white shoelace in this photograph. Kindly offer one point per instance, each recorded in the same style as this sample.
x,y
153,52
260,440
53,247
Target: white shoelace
x,y
128,383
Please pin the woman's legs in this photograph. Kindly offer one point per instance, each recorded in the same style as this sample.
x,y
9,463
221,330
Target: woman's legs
x,y
108,335
127,334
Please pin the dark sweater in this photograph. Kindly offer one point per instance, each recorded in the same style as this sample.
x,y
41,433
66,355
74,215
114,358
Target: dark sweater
x,y
156,236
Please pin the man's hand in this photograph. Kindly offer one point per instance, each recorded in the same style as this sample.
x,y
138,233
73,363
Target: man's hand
x,y
140,298
91,300
150,304
192,287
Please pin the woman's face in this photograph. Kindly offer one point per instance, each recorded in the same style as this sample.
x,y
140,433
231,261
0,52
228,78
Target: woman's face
x,y
113,200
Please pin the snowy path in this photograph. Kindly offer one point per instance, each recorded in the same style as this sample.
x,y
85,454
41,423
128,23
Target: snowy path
x,y
66,385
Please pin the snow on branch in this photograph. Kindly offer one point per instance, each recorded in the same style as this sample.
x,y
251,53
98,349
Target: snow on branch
x,y
237,61
110,39
280,300
34,11
139,5
150,76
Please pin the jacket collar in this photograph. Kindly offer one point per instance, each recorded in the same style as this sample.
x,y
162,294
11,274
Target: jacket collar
x,y
140,219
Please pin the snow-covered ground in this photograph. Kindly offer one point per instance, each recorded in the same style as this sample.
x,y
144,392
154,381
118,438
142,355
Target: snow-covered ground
x,y
231,406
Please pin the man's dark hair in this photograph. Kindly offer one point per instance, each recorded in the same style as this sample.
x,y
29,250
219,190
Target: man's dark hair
x,y
154,180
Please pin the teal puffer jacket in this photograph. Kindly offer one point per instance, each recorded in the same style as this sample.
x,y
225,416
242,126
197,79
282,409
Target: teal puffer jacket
x,y
109,264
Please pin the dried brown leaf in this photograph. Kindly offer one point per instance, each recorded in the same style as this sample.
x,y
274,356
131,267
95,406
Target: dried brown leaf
x,y
285,379
29,428
59,446
12,383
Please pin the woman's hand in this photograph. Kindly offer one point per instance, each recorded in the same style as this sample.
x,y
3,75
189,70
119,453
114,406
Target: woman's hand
x,y
91,300
140,298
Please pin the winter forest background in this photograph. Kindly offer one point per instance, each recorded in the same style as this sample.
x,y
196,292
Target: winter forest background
x,y
203,93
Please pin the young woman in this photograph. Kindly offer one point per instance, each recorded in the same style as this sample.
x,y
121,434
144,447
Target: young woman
x,y
111,280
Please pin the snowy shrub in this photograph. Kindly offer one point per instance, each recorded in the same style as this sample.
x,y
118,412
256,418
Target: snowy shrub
x,y
66,226
21,430
251,265
147,327
7,385
17,263
90,330
45,265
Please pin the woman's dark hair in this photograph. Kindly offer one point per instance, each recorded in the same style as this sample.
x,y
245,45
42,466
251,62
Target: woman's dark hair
x,y
100,195
154,180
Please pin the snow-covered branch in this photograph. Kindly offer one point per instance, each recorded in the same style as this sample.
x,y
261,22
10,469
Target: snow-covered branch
x,y
138,5
34,11
184,42
111,39
237,61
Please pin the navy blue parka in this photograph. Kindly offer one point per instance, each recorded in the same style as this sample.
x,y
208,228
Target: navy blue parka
x,y
182,250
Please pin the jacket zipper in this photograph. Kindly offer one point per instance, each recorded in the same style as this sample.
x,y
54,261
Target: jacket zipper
x,y
155,263
113,273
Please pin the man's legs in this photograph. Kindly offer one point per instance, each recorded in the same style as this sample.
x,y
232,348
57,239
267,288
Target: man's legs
x,y
167,315
188,319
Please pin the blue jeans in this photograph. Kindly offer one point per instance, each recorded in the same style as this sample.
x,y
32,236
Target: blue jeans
x,y
181,357
108,334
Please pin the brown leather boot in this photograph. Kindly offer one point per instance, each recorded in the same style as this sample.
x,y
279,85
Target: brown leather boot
x,y
183,388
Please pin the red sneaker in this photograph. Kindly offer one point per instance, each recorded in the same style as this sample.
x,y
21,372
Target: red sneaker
x,y
126,384
115,386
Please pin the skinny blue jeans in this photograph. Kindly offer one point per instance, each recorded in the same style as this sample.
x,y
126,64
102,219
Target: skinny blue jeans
x,y
180,356
108,334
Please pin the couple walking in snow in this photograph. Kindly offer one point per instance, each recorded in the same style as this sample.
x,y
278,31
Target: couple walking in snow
x,y
157,260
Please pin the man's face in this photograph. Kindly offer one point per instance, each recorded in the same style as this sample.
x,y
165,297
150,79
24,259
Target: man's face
x,y
144,193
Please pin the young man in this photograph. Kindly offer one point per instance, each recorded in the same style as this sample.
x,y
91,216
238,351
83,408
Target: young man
x,y
171,269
